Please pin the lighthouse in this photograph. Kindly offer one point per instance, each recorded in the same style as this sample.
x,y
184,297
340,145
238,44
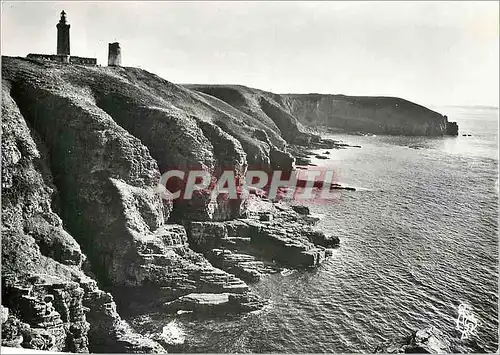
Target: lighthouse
x,y
63,55
62,35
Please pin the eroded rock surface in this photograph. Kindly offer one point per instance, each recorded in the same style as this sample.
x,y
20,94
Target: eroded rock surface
x,y
215,304
45,293
430,340
83,149
254,246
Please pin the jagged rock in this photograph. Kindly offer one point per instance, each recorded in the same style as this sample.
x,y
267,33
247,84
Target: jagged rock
x,y
429,340
206,235
180,271
57,315
40,261
51,310
39,339
424,341
108,332
12,332
451,128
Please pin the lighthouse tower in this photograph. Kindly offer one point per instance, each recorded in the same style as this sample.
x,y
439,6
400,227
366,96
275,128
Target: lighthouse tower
x,y
62,35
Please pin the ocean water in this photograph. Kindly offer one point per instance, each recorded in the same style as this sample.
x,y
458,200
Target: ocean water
x,y
418,239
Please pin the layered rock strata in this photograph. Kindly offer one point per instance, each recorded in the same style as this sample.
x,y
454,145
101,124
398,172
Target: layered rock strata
x,y
430,340
262,243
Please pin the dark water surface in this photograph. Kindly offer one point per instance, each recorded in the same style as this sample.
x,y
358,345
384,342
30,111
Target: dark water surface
x,y
419,238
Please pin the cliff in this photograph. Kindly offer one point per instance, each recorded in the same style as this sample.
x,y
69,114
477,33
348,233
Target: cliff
x,y
378,115
83,149
85,233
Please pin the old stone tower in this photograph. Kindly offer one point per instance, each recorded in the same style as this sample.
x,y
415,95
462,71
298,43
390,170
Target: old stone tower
x,y
63,35
114,54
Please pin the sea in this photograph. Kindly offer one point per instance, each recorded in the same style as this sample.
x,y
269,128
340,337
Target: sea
x,y
418,237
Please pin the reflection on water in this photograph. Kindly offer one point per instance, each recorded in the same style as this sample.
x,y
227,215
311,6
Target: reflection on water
x,y
420,240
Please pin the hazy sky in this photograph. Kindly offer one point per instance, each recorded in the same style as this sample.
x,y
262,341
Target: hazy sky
x,y
433,53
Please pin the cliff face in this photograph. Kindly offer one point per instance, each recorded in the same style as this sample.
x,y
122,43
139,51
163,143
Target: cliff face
x,y
291,114
268,108
380,115
48,301
83,149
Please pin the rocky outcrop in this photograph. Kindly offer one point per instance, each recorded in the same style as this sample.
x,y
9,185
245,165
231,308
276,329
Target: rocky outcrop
x,y
430,340
51,314
48,301
60,151
48,313
83,149
424,341
246,267
290,114
108,330
109,199
263,243
264,106
378,115
451,128
215,304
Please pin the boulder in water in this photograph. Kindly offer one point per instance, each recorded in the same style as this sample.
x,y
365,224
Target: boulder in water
x,y
429,340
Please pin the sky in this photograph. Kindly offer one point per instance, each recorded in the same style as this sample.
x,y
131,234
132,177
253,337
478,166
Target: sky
x,y
432,53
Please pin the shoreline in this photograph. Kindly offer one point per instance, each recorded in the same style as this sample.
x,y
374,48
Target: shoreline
x,y
94,200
